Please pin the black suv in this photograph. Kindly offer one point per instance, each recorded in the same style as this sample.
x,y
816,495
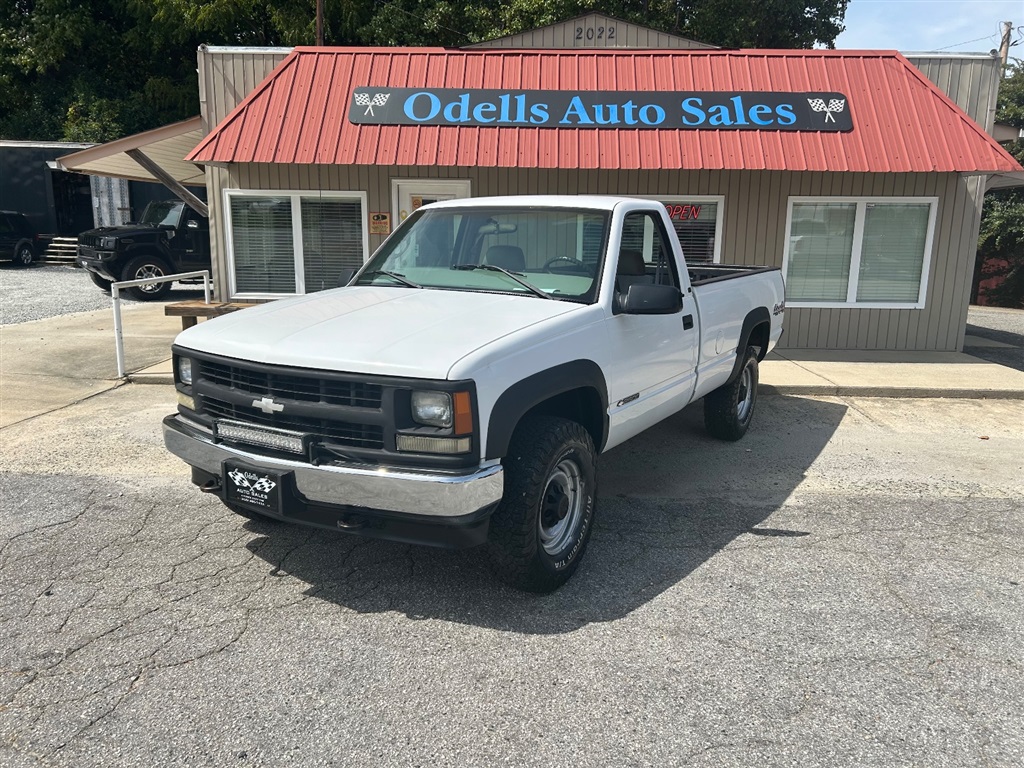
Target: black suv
x,y
18,240
170,238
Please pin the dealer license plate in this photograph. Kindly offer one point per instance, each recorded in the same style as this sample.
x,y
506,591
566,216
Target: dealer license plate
x,y
260,489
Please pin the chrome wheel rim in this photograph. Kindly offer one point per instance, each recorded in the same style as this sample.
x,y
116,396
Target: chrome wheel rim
x,y
25,256
745,399
146,271
561,507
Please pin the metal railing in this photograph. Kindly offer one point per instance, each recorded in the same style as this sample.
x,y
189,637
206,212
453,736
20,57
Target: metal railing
x,y
115,294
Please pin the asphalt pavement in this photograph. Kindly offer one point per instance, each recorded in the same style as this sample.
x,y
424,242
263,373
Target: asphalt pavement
x,y
996,335
841,587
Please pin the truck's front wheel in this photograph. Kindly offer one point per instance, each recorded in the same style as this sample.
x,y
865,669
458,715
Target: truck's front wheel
x,y
100,282
143,267
729,410
541,529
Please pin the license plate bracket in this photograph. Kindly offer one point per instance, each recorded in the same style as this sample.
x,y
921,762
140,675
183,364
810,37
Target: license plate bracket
x,y
254,487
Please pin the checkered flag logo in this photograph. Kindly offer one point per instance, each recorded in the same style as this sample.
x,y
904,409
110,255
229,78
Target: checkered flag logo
x,y
834,105
263,485
368,101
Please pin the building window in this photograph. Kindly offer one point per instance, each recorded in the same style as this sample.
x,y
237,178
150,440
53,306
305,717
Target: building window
x,y
698,225
867,252
284,243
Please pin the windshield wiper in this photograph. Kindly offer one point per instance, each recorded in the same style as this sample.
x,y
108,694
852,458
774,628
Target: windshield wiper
x,y
393,275
494,268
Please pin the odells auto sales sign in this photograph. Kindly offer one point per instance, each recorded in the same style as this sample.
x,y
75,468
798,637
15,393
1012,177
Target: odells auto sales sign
x,y
707,110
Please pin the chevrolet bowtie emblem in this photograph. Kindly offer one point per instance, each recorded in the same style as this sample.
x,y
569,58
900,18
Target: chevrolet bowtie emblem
x,y
267,405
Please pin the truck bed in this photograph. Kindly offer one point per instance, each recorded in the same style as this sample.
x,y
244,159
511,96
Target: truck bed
x,y
711,273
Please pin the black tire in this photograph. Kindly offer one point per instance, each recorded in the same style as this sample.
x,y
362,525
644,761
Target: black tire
x,y
100,282
146,266
729,410
541,529
24,254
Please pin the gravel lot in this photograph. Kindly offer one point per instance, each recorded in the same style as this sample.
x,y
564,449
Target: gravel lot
x,y
49,290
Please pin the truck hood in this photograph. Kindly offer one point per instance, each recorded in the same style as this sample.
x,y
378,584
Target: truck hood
x,y
387,331
92,236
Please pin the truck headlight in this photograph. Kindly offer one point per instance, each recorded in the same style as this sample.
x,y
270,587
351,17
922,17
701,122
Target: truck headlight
x,y
185,370
433,409
108,243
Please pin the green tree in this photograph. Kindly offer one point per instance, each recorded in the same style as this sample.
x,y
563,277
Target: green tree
x,y
95,70
1001,242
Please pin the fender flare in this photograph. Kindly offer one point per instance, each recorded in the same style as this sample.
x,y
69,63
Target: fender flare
x,y
525,394
755,317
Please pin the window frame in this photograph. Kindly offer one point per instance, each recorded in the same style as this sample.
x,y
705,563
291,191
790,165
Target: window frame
x,y
298,255
699,199
858,245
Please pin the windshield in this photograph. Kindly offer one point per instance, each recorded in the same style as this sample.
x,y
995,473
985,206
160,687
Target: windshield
x,y
551,253
165,212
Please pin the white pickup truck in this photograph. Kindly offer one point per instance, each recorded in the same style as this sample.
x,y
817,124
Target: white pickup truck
x,y
458,390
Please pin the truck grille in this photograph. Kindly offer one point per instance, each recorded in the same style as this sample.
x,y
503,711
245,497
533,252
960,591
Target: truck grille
x,y
341,432
310,389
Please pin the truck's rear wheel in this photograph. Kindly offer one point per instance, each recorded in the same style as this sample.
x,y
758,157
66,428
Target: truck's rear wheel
x,y
23,254
141,268
729,410
541,529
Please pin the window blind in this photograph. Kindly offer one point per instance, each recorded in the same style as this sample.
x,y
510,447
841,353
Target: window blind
x,y
820,251
332,240
891,259
261,235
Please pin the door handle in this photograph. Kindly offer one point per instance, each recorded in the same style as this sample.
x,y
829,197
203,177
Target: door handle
x,y
687,322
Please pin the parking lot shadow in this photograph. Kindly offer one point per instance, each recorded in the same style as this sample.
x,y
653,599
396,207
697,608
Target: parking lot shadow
x,y
668,501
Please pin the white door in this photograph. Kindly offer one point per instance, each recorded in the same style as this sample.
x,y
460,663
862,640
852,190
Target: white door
x,y
654,359
409,194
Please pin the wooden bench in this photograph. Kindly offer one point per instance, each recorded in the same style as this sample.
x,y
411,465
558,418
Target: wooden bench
x,y
191,311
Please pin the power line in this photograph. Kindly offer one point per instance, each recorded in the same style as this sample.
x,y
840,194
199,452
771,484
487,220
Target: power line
x,y
393,5
965,42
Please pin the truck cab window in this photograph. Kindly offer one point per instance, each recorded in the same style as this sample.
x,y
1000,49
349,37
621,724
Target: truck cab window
x,y
644,255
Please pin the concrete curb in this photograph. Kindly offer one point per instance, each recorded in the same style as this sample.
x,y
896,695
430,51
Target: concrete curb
x,y
836,390
150,378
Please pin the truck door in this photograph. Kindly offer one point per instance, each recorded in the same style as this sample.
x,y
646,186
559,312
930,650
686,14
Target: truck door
x,y
8,238
653,357
193,245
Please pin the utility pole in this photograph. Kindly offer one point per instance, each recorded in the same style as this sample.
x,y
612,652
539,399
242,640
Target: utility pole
x,y
1004,44
320,25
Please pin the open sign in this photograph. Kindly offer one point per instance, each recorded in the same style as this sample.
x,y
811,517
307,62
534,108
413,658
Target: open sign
x,y
680,212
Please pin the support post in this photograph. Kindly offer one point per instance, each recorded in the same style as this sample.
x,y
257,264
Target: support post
x,y
169,181
118,336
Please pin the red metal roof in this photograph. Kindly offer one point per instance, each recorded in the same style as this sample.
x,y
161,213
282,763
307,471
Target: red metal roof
x,y
902,121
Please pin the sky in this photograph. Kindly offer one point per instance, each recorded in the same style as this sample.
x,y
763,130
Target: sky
x,y
930,25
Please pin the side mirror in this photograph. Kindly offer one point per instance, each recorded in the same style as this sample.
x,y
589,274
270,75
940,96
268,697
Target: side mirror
x,y
642,299
345,276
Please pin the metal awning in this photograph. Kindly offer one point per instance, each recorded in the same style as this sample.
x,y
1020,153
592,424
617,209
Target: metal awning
x,y
156,155
166,146
1005,180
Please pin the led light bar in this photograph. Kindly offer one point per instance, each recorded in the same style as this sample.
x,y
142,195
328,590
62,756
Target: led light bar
x,y
419,444
278,439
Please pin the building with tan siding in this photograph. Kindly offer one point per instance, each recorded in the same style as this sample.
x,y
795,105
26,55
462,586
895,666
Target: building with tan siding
x,y
869,198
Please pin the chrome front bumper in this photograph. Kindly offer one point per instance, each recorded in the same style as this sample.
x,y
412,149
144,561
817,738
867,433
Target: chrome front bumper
x,y
396,490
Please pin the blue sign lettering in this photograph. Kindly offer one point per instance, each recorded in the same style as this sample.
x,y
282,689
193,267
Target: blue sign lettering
x,y
747,110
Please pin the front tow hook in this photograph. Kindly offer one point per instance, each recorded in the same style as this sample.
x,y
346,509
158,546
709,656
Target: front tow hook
x,y
211,486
